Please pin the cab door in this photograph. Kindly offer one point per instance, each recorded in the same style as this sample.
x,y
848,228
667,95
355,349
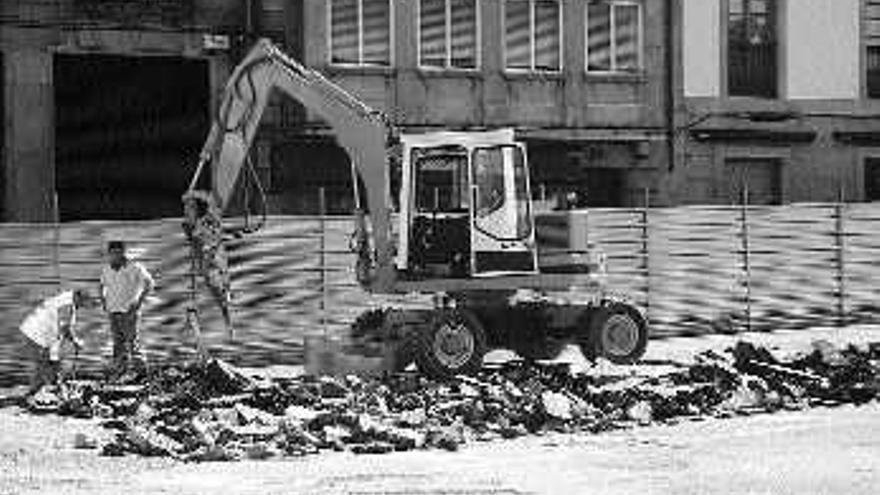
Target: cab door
x,y
502,225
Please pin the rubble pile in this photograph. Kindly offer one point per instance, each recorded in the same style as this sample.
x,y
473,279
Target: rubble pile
x,y
212,411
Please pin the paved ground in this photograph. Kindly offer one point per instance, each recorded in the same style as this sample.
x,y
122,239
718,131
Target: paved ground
x,y
821,451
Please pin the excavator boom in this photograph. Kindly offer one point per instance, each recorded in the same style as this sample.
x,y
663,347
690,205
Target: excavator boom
x,y
363,132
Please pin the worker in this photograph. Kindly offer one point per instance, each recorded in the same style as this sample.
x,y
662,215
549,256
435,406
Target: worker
x,y
45,329
125,285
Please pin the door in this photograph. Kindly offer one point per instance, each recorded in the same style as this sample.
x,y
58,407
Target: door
x,y
760,177
502,227
439,238
872,179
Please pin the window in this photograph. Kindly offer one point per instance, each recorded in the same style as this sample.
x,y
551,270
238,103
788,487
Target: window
x,y
533,29
494,171
448,34
872,179
614,36
872,59
360,32
761,178
272,21
751,48
442,181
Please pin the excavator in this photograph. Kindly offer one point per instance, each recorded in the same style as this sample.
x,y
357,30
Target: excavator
x,y
466,231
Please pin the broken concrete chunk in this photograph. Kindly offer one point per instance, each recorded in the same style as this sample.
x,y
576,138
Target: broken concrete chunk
x,y
302,414
251,415
333,388
224,378
261,451
84,441
146,441
641,412
557,405
827,352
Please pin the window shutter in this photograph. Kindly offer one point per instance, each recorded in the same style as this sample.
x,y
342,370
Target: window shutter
x,y
547,35
344,31
626,36
377,32
464,33
599,37
517,34
433,33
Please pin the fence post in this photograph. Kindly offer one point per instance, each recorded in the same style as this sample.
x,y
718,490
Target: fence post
x,y
322,211
746,268
840,246
56,241
646,267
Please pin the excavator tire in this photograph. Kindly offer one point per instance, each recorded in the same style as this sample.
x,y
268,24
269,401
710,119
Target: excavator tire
x,y
617,332
454,343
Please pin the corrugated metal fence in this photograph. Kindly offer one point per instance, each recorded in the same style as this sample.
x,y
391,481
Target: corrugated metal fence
x,y
695,269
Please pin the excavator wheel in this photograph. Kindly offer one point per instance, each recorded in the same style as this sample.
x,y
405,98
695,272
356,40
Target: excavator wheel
x,y
454,343
616,331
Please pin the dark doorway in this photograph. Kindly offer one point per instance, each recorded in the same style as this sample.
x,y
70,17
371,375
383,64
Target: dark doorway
x,y
872,179
759,178
128,134
2,139
605,187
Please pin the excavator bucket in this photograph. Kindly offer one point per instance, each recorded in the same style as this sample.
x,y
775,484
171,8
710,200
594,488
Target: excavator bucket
x,y
204,231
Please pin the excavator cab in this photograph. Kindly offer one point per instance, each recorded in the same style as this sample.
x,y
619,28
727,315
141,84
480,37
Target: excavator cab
x,y
465,206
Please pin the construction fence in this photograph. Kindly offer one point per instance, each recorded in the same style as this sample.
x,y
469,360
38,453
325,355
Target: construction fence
x,y
694,270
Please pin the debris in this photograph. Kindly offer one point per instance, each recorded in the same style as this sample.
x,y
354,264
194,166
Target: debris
x,y
447,438
641,412
45,400
556,405
84,441
146,441
212,411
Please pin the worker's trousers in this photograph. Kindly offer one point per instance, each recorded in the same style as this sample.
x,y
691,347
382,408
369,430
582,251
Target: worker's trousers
x,y
126,342
45,369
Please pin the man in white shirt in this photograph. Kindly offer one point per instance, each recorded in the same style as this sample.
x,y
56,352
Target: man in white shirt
x,y
125,285
45,329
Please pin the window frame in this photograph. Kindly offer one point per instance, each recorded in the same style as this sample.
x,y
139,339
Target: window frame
x,y
640,45
360,64
775,17
448,67
560,34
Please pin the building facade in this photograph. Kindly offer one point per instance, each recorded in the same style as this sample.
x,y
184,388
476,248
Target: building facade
x,y
582,82
106,103
778,98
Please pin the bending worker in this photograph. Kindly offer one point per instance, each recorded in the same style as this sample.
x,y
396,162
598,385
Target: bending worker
x,y
45,329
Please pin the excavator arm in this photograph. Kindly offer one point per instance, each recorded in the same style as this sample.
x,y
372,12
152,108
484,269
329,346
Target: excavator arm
x,y
364,133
